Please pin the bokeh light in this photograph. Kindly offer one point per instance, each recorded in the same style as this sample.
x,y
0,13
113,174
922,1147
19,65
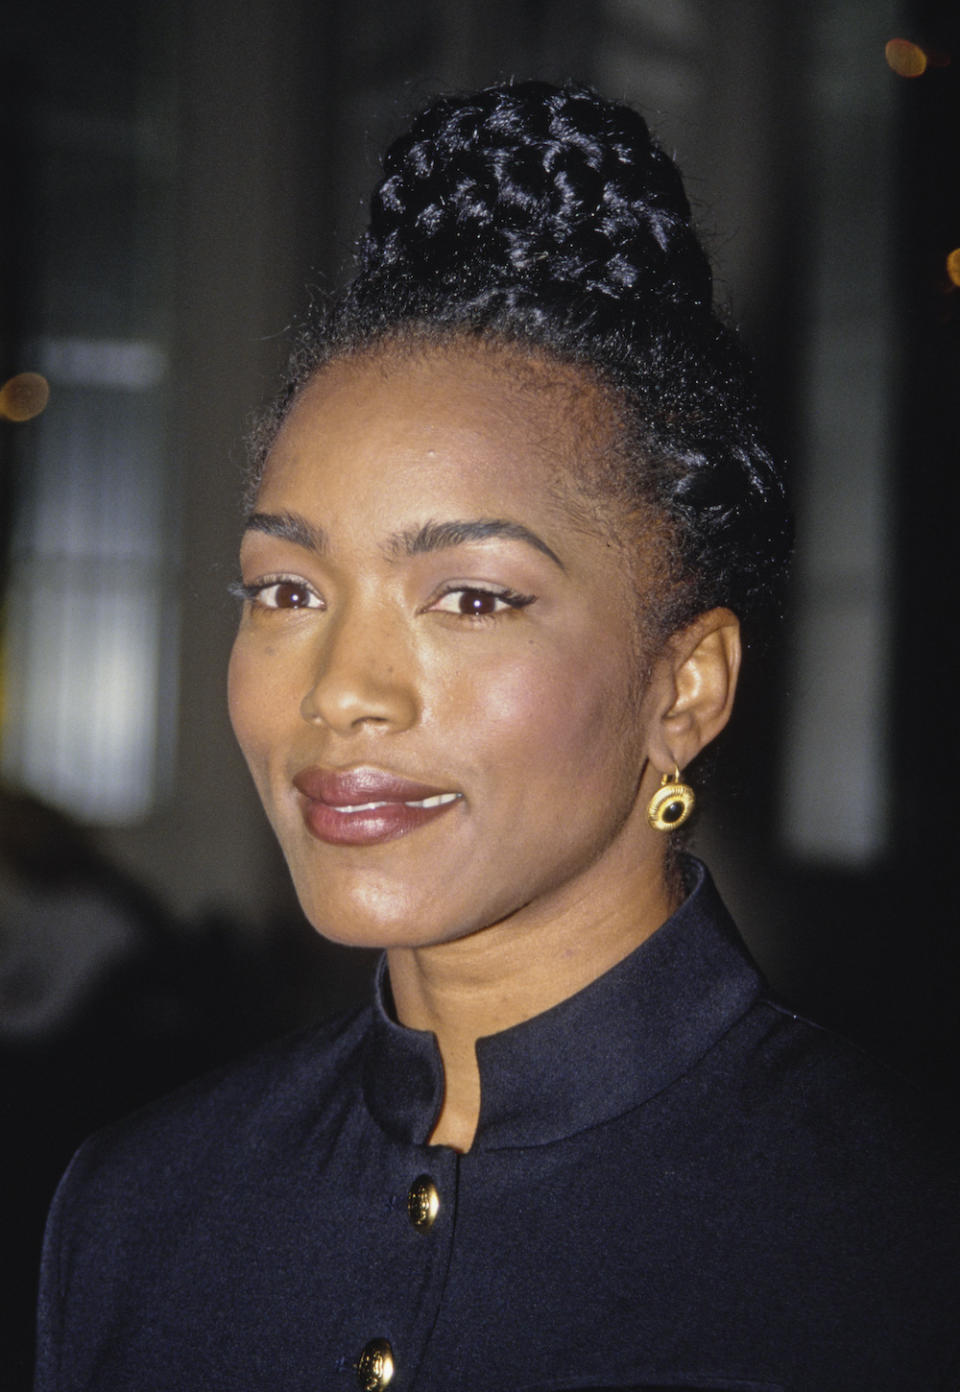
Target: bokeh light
x,y
24,396
905,58
953,265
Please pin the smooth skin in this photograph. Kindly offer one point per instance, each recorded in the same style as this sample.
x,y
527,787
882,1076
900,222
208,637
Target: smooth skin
x,y
508,668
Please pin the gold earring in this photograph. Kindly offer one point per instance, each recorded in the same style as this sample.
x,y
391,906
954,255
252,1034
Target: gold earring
x,y
671,804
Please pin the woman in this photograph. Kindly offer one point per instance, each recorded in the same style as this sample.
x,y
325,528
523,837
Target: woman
x,y
506,521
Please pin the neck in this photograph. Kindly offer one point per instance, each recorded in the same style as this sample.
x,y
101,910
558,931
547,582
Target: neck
x,y
478,985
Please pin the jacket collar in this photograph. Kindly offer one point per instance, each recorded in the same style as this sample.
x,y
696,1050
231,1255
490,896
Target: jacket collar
x,y
603,1051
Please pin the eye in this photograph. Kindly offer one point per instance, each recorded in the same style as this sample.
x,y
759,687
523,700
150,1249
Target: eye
x,y
281,592
474,602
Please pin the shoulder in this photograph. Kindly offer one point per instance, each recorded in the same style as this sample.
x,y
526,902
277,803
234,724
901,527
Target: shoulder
x,y
819,1177
256,1106
160,1188
826,1078
839,1132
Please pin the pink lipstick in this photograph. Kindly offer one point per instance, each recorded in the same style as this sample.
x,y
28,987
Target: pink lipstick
x,y
365,806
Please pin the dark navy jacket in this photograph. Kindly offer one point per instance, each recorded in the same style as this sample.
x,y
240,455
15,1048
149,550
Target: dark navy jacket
x,y
675,1184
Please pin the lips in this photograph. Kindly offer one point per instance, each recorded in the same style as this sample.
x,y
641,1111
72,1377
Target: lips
x,y
365,806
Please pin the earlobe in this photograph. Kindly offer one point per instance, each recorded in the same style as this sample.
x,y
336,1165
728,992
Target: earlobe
x,y
702,667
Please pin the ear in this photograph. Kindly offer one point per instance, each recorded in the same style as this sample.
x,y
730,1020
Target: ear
x,y
695,682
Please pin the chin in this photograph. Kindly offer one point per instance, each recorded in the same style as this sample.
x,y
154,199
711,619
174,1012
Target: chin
x,y
383,916
369,916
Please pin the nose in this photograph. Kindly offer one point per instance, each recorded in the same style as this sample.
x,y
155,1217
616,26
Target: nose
x,y
363,675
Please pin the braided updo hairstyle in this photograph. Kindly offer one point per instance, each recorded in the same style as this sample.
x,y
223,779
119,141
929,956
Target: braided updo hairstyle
x,y
547,217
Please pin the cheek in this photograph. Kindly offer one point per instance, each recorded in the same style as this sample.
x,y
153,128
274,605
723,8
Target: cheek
x,y
254,700
554,714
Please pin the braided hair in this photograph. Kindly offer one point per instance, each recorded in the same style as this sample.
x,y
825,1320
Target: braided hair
x,y
547,217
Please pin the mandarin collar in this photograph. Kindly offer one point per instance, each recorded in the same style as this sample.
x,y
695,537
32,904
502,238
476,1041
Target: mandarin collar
x,y
603,1051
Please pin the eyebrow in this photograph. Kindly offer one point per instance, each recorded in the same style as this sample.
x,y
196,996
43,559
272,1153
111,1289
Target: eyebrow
x,y
439,536
289,526
414,541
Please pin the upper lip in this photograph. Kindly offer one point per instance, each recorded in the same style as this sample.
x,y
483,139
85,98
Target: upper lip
x,y
358,786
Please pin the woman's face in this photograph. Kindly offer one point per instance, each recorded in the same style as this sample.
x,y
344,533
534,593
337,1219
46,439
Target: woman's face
x,y
435,681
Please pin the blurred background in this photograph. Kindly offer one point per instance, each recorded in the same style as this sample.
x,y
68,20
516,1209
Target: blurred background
x,y
176,180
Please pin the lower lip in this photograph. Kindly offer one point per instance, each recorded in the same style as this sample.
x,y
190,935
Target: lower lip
x,y
386,823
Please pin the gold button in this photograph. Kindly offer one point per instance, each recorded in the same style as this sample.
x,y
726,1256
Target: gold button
x,y
423,1203
375,1366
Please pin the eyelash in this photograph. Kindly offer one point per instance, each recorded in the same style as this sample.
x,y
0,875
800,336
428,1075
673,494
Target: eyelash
x,y
510,599
254,594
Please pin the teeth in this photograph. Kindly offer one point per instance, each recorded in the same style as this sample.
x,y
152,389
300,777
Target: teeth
x,y
361,807
439,800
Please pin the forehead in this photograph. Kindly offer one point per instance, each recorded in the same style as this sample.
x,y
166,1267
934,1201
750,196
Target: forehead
x,y
454,418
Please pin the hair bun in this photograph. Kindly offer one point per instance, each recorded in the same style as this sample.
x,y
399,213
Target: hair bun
x,y
527,186
548,218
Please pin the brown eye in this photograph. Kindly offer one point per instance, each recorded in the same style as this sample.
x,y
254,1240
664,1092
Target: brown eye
x,y
472,602
284,594
290,595
479,602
